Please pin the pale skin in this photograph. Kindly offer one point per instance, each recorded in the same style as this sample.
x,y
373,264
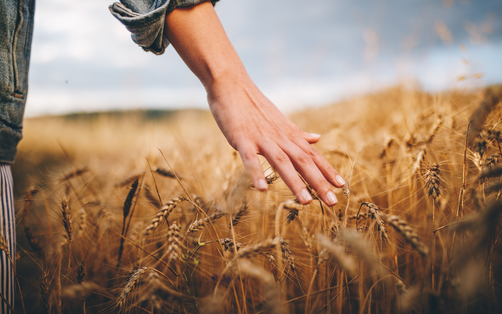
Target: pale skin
x,y
251,123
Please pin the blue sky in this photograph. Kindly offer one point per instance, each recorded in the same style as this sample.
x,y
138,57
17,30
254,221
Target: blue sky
x,y
300,53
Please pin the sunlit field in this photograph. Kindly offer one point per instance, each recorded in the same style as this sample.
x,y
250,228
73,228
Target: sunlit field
x,y
151,212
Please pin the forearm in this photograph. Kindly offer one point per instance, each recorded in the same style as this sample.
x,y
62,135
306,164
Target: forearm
x,y
199,38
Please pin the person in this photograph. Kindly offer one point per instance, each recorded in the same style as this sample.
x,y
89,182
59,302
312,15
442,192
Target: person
x,y
250,122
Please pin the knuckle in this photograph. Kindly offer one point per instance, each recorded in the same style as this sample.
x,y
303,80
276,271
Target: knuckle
x,y
304,158
281,157
313,153
248,155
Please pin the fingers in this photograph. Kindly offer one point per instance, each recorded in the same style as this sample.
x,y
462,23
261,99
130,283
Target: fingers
x,y
282,164
310,137
252,163
323,165
310,171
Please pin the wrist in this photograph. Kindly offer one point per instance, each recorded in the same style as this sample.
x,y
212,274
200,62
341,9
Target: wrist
x,y
226,77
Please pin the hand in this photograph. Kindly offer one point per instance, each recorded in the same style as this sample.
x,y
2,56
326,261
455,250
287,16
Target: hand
x,y
249,121
253,125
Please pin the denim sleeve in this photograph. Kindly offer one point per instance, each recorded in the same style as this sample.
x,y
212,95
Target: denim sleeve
x,y
145,19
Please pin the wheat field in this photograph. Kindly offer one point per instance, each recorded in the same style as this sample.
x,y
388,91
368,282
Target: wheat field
x,y
152,213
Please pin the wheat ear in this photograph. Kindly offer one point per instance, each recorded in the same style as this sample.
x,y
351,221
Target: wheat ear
x,y
132,282
432,181
408,233
163,213
229,244
173,242
374,212
286,251
199,224
67,223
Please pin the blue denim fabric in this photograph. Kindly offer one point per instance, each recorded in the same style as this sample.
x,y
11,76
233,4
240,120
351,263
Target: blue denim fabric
x,y
16,29
145,19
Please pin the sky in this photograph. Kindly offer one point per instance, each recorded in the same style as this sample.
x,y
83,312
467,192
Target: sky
x,y
300,53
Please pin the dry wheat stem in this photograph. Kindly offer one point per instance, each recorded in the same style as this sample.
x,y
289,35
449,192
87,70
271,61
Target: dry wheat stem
x,y
132,282
432,181
292,206
45,292
286,251
67,223
228,245
251,250
242,210
408,233
197,225
163,213
173,242
375,214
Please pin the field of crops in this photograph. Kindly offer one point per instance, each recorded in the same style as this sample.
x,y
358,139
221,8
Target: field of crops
x,y
151,212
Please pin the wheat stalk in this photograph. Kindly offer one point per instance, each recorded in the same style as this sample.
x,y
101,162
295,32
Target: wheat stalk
x,y
82,221
252,250
346,189
242,210
67,223
173,242
132,282
407,232
45,292
293,208
199,224
432,181
374,213
126,209
229,244
287,253
163,213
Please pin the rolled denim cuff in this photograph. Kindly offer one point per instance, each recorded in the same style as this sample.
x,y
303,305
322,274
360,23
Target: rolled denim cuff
x,y
145,19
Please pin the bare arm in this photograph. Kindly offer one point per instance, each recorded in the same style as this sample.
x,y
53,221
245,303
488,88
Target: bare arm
x,y
250,122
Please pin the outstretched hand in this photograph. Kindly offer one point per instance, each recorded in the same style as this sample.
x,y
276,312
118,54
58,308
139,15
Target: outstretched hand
x,y
253,125
250,122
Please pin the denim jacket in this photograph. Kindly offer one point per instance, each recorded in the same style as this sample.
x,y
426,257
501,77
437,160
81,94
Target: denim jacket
x,y
16,29
145,19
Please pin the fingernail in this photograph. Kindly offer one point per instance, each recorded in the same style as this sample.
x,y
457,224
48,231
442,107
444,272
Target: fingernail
x,y
315,135
331,198
306,195
262,185
340,180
